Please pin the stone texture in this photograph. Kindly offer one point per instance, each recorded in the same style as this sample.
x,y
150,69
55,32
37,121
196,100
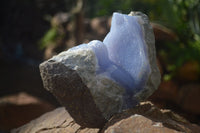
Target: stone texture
x,y
140,124
57,121
70,91
147,118
94,81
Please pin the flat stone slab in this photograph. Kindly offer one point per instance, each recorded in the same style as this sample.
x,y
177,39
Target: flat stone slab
x,y
57,121
145,118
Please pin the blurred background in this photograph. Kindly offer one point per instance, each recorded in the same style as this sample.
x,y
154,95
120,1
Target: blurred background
x,y
32,31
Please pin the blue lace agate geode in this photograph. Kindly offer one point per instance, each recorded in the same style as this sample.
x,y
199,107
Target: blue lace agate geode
x,y
120,71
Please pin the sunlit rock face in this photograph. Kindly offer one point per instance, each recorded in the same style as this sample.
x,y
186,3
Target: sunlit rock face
x,y
96,80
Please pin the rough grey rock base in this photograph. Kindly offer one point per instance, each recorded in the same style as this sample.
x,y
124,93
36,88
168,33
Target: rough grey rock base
x,y
93,95
71,92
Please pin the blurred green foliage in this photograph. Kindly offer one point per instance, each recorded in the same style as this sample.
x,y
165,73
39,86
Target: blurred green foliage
x,y
48,38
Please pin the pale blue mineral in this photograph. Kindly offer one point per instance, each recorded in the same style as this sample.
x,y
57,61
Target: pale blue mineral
x,y
120,71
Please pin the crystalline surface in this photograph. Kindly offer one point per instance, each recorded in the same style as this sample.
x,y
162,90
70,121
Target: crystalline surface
x,y
123,53
127,49
121,70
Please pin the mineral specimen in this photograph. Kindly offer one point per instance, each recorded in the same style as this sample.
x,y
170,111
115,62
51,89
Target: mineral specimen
x,y
96,80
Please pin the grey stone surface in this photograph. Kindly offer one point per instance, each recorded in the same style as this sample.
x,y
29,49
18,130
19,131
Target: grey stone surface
x,y
107,94
92,86
69,89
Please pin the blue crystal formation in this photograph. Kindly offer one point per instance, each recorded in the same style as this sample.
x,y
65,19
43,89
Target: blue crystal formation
x,y
123,55
121,70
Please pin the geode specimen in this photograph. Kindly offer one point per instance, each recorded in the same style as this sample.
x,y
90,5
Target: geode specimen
x,y
96,80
